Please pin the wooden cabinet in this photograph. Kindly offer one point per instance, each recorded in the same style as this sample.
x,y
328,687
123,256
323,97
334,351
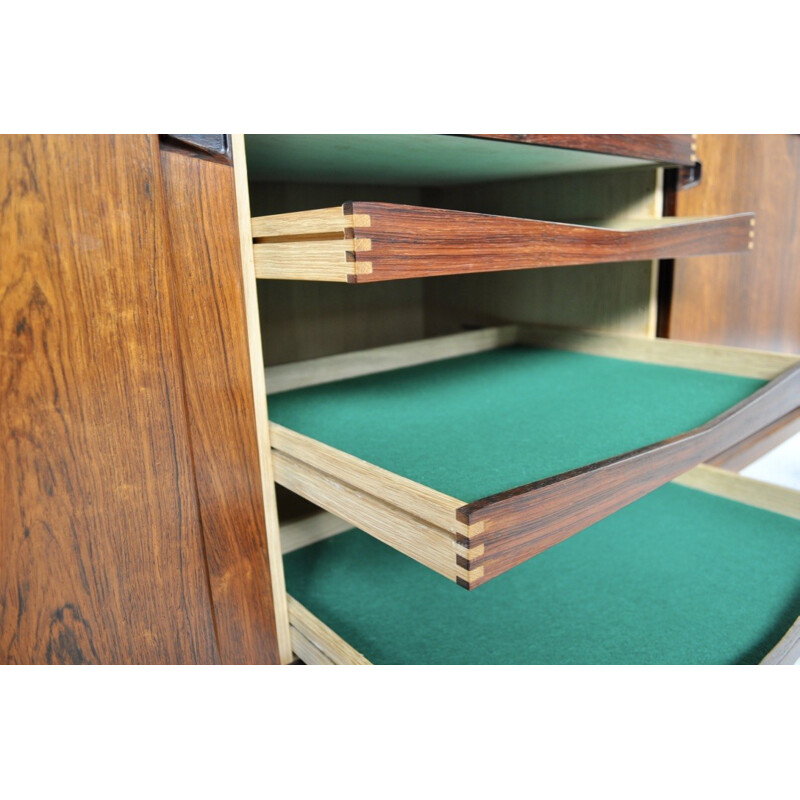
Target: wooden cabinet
x,y
423,436
132,524
146,319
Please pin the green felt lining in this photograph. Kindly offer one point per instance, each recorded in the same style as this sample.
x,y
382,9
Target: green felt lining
x,y
477,425
679,577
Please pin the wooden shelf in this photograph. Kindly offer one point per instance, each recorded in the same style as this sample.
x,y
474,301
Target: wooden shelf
x,y
366,242
447,160
680,577
474,466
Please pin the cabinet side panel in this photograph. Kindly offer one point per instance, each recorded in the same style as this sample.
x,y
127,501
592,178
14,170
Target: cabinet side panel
x,y
102,553
212,328
749,300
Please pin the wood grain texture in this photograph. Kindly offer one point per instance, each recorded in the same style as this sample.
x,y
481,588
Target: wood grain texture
x,y
315,371
527,520
309,319
303,532
744,300
398,526
674,148
259,396
100,531
216,146
787,651
500,531
731,485
212,327
316,643
411,242
670,352
435,507
614,297
305,224
751,449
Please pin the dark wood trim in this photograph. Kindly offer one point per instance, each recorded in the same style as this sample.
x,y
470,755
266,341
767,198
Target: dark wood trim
x,y
689,177
212,331
751,449
678,149
523,522
401,241
215,146
412,242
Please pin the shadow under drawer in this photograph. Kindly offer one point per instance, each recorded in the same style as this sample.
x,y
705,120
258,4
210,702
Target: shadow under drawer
x,y
678,577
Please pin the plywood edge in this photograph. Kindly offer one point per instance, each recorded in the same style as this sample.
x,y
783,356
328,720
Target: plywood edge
x,y
732,486
668,352
316,528
787,651
316,371
273,543
316,643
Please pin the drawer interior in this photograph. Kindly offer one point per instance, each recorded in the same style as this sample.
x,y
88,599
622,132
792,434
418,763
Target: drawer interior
x,y
472,465
480,424
678,577
304,322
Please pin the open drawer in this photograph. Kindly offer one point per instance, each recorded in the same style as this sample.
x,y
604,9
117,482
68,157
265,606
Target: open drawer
x,y
683,576
367,242
475,463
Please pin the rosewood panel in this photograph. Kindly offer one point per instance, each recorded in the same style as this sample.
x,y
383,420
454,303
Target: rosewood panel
x,y
408,242
744,300
100,536
212,331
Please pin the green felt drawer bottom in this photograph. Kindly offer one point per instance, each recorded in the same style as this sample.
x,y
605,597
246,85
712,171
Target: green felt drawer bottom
x,y
476,425
679,577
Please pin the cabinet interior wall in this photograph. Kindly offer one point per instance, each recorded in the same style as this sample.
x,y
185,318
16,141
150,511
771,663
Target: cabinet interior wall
x,y
309,319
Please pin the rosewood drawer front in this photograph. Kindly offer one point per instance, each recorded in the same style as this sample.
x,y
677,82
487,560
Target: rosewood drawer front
x,y
475,464
367,242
